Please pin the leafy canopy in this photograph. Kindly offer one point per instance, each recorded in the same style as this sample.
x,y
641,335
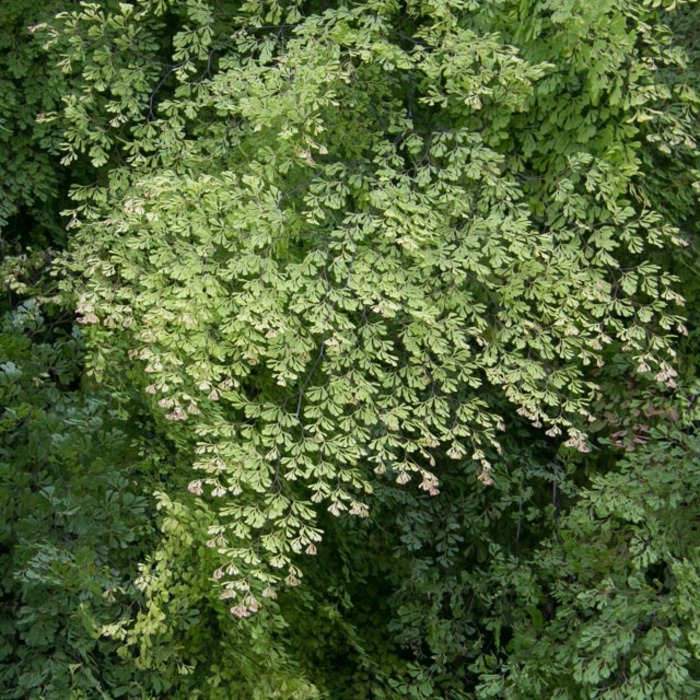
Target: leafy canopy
x,y
320,234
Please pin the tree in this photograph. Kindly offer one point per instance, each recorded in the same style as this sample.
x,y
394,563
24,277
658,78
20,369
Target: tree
x,y
622,575
318,251
73,519
28,167
307,309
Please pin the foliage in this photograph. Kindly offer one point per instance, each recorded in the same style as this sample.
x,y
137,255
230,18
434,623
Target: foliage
x,y
73,520
186,639
318,252
307,308
30,86
622,577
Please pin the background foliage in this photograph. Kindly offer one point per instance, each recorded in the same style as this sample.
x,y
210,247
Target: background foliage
x,y
404,284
